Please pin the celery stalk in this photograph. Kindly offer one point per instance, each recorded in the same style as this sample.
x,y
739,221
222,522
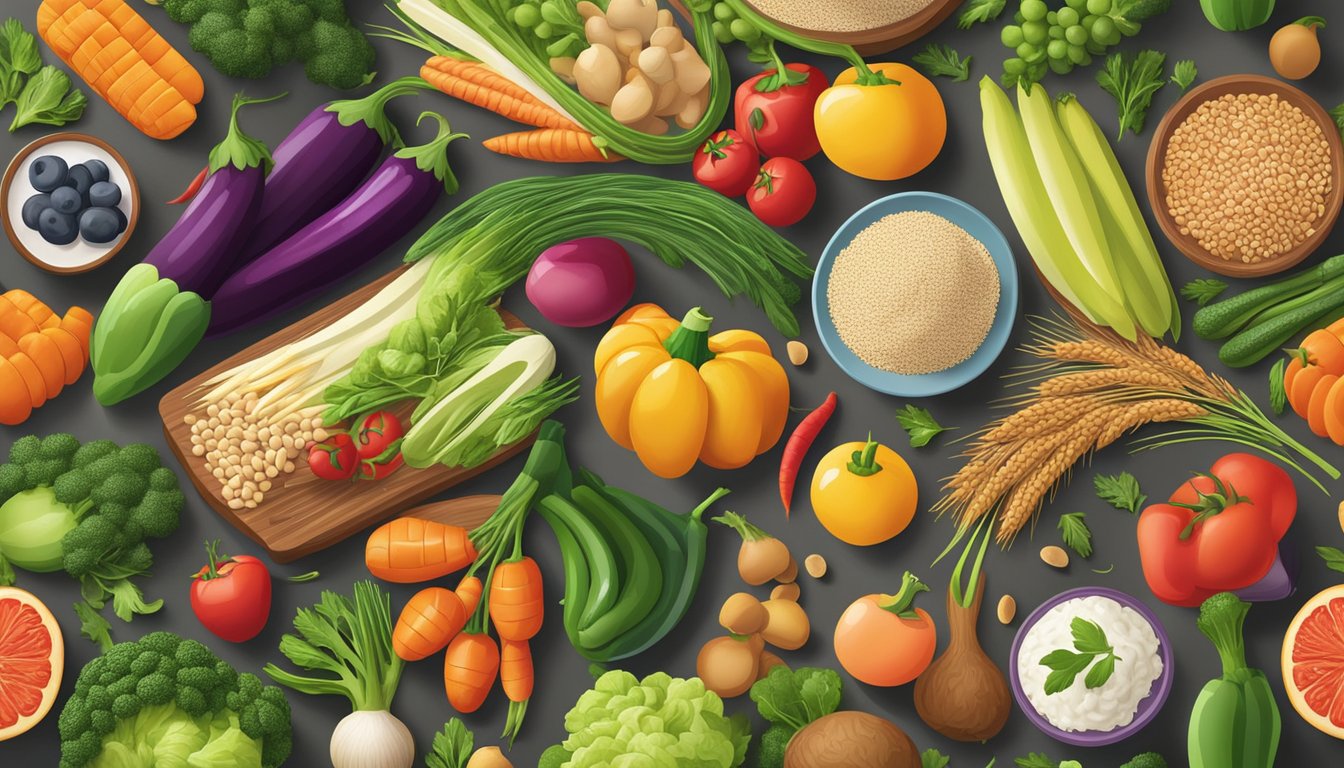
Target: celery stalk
x,y
1033,213
1066,183
1153,298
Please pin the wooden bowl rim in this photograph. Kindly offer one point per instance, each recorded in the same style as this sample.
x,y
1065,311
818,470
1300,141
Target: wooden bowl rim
x,y
1208,91
8,181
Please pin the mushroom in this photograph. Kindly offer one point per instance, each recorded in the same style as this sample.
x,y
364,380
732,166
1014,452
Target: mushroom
x,y
694,109
656,64
599,32
629,43
563,67
665,19
670,38
597,72
633,102
637,15
692,73
588,9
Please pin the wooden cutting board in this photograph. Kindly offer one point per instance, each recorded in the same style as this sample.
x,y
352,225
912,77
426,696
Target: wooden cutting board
x,y
303,514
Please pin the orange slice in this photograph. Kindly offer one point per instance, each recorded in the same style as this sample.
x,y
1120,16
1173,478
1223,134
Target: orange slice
x,y
1313,661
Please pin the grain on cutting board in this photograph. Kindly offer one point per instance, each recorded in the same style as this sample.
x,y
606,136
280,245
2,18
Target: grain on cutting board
x,y
913,293
1247,176
841,15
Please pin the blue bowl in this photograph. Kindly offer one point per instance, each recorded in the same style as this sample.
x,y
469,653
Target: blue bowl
x,y
977,225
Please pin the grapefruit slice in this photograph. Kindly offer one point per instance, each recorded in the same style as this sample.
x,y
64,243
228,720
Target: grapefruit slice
x,y
1313,661
32,660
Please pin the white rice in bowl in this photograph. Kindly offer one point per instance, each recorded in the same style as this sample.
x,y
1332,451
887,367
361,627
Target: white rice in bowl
x,y
1078,708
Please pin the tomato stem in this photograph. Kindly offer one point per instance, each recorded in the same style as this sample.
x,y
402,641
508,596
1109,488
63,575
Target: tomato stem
x,y
211,571
1209,504
864,462
903,602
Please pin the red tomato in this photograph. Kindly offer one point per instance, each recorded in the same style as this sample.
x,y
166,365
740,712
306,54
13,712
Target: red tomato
x,y
378,432
783,193
377,470
232,595
727,164
777,117
335,459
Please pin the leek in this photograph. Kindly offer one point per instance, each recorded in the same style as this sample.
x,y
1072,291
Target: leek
x,y
1028,203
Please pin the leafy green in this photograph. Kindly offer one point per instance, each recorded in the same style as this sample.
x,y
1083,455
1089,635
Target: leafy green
x,y
1184,73
932,758
666,721
1035,760
1133,80
1278,396
796,698
980,11
1090,645
1120,491
452,746
1334,558
919,424
93,626
18,58
1338,114
942,60
47,99
1077,536
1203,290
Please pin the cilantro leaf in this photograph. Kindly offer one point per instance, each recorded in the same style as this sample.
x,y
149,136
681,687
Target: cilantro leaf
x,y
1334,558
1088,636
1065,666
941,60
92,625
452,746
980,11
1133,80
1120,491
920,425
1090,644
1035,760
932,758
48,99
18,58
1184,73
1278,396
1203,290
1100,672
1077,536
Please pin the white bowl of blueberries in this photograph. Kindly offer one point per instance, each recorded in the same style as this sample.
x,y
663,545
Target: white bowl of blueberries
x,y
70,202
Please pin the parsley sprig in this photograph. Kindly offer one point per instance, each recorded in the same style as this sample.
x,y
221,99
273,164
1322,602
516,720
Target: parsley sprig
x,y
980,11
1090,649
942,60
919,424
1133,80
1203,290
1120,491
1077,536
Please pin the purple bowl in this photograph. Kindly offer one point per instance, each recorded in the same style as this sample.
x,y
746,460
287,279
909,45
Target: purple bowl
x,y
1148,707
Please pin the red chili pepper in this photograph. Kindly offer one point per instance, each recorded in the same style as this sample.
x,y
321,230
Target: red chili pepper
x,y
192,188
796,449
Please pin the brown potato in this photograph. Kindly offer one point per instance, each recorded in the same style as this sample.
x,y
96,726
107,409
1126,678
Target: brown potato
x,y
768,662
851,740
789,591
728,666
788,626
488,757
743,614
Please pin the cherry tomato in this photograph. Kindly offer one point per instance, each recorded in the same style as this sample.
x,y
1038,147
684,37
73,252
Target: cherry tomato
x,y
335,459
727,164
777,115
783,193
377,432
232,595
377,470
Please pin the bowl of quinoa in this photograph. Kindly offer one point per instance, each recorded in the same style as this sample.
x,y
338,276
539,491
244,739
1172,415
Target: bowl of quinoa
x,y
1245,175
915,295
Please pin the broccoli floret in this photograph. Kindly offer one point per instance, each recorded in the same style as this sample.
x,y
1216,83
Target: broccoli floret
x,y
87,509
341,56
329,10
154,701
187,11
1146,760
773,743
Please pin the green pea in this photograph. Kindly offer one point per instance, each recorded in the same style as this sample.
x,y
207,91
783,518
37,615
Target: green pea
x,y
722,33
744,30
724,12
526,16
543,30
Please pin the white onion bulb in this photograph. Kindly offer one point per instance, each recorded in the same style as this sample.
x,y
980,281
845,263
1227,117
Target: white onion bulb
x,y
372,740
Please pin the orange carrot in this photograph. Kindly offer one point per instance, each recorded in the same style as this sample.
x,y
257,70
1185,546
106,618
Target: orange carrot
x,y
517,605
80,325
515,669
433,617
15,404
31,306
482,87
121,57
47,357
71,352
552,145
409,550
14,322
469,670
29,373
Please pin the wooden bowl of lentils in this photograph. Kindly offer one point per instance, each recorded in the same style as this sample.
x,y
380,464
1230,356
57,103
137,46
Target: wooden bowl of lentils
x,y
1246,175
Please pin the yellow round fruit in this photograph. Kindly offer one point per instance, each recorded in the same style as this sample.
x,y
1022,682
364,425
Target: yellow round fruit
x,y
864,493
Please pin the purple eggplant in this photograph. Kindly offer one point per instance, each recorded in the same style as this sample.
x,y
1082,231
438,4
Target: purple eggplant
x,y
322,160
383,210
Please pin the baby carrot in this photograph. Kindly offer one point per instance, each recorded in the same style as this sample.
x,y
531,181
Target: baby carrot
x,y
517,605
796,449
552,145
409,550
516,675
480,86
469,670
433,617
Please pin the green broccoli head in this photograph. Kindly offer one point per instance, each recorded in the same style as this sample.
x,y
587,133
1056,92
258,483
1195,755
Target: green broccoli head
x,y
329,10
1146,760
337,55
773,743
137,692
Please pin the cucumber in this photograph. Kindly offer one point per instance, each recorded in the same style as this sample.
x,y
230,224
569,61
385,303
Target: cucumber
x,y
1225,318
1253,344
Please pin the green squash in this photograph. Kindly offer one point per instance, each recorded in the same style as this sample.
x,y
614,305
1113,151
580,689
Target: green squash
x,y
1237,15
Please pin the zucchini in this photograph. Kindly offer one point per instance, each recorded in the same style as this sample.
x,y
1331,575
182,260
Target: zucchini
x,y
1253,344
1225,318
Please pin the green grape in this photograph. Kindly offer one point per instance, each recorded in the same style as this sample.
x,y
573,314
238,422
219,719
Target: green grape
x,y
1058,49
1034,56
1052,18
1098,7
543,30
1056,33
1061,66
1012,36
1034,10
1076,35
1079,55
1102,29
1095,48
1068,17
1036,32
723,34
744,30
724,12
1088,23
526,16
1113,37
1027,51
1014,66
1018,18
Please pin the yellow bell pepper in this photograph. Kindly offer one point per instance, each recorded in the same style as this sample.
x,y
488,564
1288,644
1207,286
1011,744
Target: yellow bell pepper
x,y
885,123
676,395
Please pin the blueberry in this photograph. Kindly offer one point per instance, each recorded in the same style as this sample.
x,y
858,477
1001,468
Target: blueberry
x,y
57,228
98,170
121,220
67,200
104,194
100,225
47,173
80,178
33,207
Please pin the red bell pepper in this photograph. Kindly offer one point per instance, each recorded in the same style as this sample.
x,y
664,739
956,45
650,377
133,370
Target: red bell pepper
x,y
1219,532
